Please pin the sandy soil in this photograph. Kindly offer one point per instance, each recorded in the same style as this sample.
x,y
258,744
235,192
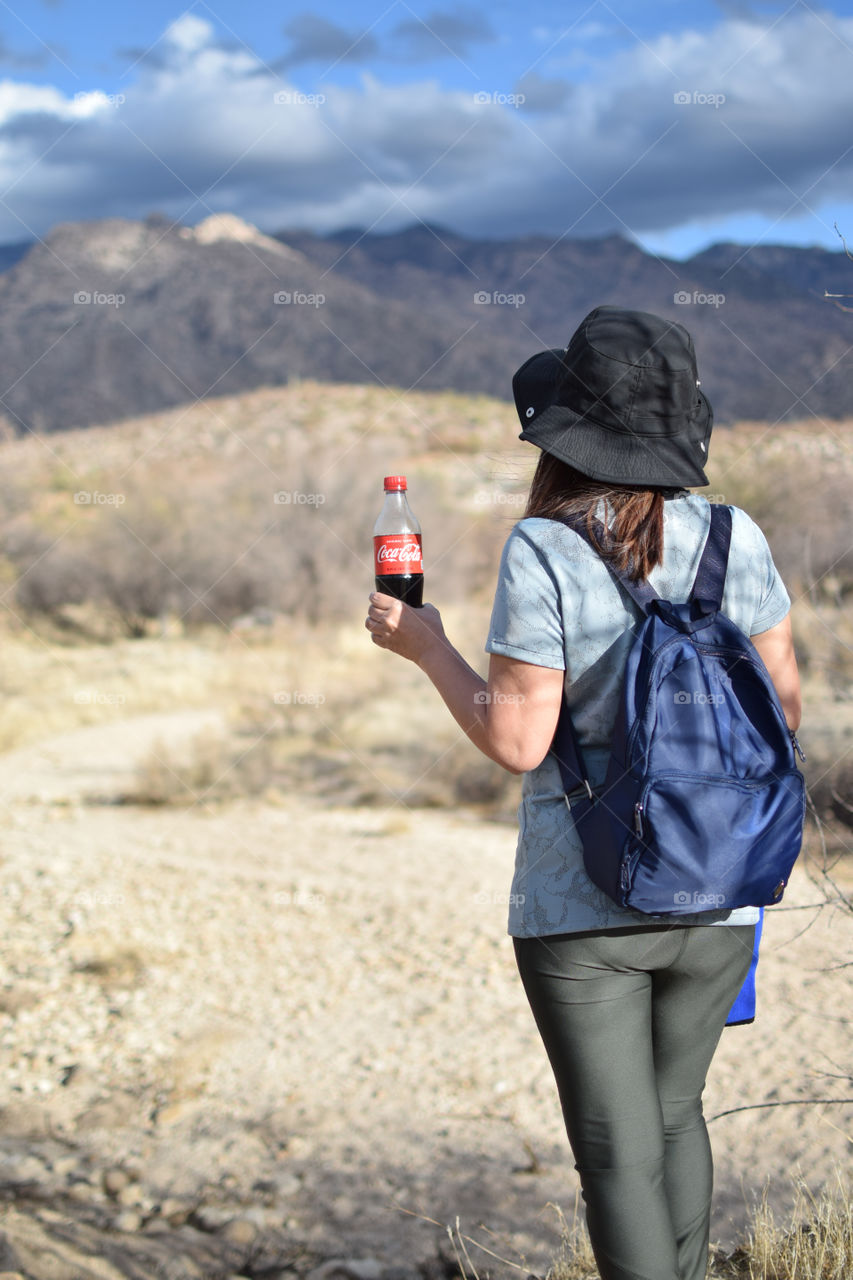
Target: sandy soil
x,y
324,1002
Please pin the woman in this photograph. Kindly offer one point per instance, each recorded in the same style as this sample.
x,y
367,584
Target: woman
x,y
630,1010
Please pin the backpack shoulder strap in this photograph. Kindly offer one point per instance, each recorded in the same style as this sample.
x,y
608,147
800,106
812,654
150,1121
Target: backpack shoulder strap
x,y
565,746
708,586
711,574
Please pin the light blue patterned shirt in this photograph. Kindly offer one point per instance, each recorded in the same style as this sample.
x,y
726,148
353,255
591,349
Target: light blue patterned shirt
x,y
558,606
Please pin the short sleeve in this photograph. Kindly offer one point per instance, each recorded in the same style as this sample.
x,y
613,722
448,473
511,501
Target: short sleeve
x,y
774,603
526,616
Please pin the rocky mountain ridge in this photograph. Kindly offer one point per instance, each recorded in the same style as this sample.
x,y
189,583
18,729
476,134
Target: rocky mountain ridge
x,y
107,319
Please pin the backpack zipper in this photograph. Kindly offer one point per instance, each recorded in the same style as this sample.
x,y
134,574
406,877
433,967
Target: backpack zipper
x,y
796,745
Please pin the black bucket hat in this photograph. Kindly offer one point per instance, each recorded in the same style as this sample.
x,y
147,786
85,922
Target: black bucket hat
x,y
621,403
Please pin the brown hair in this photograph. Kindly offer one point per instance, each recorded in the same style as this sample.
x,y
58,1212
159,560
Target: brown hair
x,y
634,512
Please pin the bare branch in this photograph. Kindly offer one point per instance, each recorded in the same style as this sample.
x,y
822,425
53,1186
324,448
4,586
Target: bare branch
x,y
793,1102
843,241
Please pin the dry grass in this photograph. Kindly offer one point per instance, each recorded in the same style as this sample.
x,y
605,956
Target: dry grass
x,y
334,730
575,1259
816,1243
797,482
262,503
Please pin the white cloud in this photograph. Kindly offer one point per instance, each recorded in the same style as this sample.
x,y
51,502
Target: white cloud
x,y
189,33
19,99
765,120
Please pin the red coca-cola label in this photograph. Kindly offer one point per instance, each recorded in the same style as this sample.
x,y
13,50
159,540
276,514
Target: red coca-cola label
x,y
397,553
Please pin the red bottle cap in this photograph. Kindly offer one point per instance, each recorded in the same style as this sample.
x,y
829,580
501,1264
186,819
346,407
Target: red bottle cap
x,y
393,483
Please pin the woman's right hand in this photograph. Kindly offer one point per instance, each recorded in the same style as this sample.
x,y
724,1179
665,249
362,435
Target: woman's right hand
x,y
397,626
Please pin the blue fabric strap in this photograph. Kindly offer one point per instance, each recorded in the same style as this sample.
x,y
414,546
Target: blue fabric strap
x,y
708,585
711,574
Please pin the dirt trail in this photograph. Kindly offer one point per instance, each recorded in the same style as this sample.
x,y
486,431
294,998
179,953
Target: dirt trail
x,y
96,761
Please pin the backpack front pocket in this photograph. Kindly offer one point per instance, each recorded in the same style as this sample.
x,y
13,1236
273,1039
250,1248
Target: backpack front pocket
x,y
705,842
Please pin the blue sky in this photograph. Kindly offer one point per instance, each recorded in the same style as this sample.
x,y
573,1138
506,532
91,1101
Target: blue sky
x,y
676,125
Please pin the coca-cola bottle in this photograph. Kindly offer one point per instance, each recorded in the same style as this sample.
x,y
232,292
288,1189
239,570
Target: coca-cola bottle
x,y
397,546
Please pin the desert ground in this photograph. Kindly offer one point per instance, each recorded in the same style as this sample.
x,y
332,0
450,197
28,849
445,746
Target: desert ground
x,y
303,1018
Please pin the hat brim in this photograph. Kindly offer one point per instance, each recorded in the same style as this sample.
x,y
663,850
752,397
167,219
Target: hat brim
x,y
617,457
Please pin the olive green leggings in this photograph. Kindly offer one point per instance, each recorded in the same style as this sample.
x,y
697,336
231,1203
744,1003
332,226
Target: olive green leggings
x,y
630,1019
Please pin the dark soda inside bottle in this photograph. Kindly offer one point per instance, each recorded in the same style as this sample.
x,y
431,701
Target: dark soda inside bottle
x,y
408,587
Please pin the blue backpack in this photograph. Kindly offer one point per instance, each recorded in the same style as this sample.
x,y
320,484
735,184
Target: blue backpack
x,y
703,804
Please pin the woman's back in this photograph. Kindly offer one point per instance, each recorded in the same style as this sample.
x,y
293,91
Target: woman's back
x,y
558,606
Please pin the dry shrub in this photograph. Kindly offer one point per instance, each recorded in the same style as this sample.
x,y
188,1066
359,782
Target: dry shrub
x,y
823,638
222,540
209,768
803,502
446,782
830,790
408,778
816,1245
575,1259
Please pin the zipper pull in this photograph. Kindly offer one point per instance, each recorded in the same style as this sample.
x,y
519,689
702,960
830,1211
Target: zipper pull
x,y
638,818
796,745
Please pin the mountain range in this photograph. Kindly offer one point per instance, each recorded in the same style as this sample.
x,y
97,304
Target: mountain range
x,y
107,319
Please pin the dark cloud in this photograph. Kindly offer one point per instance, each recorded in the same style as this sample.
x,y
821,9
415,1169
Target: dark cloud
x,y
315,39
698,129
441,34
742,10
155,57
40,128
541,94
24,60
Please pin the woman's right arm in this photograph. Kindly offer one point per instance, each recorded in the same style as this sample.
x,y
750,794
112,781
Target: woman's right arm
x,y
776,650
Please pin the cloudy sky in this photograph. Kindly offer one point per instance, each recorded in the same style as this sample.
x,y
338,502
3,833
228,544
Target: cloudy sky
x,y
674,124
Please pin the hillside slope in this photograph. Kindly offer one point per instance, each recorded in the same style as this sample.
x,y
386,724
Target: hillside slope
x,y
109,319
